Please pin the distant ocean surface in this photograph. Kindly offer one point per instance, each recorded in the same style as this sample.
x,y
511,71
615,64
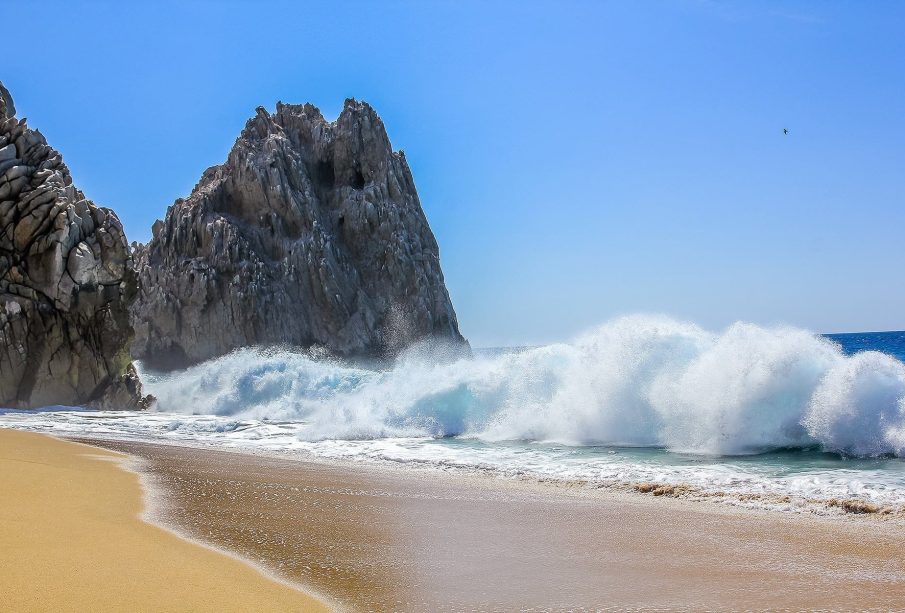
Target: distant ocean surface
x,y
892,343
776,417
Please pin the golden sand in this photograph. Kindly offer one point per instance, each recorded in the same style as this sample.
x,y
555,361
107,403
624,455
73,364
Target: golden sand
x,y
71,539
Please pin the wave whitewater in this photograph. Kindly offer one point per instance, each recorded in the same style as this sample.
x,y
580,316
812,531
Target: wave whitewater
x,y
639,381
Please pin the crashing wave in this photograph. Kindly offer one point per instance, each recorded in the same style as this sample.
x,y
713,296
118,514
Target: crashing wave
x,y
635,381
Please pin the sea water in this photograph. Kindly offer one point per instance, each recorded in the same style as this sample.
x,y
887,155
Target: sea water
x,y
766,416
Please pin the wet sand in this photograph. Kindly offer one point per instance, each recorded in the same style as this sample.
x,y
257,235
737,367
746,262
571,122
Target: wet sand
x,y
71,540
384,539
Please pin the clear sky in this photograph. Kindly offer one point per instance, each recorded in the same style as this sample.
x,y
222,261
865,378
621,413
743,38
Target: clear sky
x,y
576,161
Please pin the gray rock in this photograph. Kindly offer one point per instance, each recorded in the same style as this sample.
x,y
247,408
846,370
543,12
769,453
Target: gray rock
x,y
7,108
65,283
310,234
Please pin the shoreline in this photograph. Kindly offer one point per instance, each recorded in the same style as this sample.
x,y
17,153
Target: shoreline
x,y
751,490
73,537
833,509
378,538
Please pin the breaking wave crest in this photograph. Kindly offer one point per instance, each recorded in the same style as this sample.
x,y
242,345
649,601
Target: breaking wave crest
x,y
635,381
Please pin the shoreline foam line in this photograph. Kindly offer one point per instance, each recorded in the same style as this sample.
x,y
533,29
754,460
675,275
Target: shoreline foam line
x,y
831,507
73,535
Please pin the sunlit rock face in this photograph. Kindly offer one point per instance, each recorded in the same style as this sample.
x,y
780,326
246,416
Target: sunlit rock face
x,y
310,235
65,283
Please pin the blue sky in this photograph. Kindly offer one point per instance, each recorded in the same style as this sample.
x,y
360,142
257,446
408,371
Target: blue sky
x,y
576,160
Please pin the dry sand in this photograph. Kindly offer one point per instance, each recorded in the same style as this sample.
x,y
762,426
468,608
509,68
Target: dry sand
x,y
408,540
71,540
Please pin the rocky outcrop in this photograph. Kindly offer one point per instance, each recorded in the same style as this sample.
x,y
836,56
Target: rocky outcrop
x,y
311,234
65,283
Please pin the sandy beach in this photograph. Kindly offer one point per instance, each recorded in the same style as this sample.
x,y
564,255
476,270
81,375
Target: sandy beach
x,y
385,539
376,538
71,539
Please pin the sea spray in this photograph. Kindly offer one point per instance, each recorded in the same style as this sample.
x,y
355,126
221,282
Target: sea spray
x,y
641,381
859,407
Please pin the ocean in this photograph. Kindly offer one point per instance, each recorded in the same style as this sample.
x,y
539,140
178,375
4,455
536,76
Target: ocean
x,y
754,416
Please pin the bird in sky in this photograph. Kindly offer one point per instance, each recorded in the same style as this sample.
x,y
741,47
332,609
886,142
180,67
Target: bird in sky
x,y
785,131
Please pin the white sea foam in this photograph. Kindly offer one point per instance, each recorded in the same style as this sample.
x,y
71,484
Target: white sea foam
x,y
601,409
636,381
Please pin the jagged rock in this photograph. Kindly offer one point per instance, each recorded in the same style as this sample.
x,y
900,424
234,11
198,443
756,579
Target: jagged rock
x,y
65,283
7,108
311,234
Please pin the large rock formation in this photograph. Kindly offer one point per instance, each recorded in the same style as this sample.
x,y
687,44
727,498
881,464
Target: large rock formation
x,y
311,234
65,283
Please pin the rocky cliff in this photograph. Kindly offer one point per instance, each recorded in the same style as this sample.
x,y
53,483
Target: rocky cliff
x,y
65,283
311,234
